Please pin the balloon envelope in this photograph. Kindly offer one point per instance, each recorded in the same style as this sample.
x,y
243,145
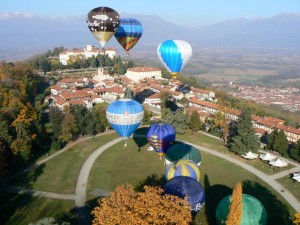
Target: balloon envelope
x,y
174,54
253,211
161,136
129,33
103,23
186,186
183,168
125,116
183,151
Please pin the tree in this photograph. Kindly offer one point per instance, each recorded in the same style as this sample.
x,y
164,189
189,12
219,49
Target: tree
x,y
297,218
49,221
281,143
128,93
295,151
195,122
245,138
177,119
126,206
121,67
56,118
221,122
234,216
147,115
69,126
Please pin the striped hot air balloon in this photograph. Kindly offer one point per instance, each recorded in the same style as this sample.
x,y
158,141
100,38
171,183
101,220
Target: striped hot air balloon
x,y
183,168
161,136
174,54
125,116
129,33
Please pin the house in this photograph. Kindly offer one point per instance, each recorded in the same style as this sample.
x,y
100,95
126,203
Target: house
x,y
139,73
66,56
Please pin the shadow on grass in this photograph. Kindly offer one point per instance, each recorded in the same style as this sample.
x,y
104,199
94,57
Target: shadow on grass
x,y
214,194
139,137
28,178
277,211
152,180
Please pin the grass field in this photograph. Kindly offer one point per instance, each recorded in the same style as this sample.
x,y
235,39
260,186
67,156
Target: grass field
x,y
24,209
60,173
137,166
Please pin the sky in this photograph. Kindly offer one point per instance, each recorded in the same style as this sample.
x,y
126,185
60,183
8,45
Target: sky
x,y
181,12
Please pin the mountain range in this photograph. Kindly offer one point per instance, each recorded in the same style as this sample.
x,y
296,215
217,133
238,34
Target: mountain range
x,y
24,35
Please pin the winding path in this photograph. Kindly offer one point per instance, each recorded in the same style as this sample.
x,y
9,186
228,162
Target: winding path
x,y
80,192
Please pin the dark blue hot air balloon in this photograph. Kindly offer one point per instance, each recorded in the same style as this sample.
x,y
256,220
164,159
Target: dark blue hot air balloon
x,y
161,136
125,116
129,33
183,186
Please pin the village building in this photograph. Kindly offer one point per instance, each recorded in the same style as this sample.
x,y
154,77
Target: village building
x,y
88,52
139,73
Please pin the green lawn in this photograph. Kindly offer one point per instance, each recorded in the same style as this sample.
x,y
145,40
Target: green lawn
x,y
60,173
292,186
218,177
137,166
24,209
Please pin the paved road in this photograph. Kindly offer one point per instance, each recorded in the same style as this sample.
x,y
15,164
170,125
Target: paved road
x,y
80,192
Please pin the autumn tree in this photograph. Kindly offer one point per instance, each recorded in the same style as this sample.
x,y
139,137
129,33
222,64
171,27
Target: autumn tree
x,y
69,126
234,216
126,206
297,218
222,123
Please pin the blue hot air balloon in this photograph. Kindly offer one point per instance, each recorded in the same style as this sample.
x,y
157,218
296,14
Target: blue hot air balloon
x,y
174,54
125,116
182,187
161,136
129,33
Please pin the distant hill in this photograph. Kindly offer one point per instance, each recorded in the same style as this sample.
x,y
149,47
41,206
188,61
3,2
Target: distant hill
x,y
23,35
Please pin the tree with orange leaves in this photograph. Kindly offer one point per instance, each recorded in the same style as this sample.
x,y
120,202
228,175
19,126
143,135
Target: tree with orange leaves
x,y
297,218
235,209
126,206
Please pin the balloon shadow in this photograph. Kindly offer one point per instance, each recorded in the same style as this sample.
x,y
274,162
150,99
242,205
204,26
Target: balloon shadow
x,y
139,137
277,212
214,194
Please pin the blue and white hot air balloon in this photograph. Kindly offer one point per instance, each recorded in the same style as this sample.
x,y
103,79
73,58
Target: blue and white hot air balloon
x,y
174,54
125,116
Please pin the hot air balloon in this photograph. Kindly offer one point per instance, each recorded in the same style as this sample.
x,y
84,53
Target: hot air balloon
x,y
183,168
187,187
183,151
253,211
125,116
103,23
161,136
129,33
174,54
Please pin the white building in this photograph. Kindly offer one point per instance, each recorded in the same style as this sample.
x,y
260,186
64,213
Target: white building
x,y
139,73
87,52
101,76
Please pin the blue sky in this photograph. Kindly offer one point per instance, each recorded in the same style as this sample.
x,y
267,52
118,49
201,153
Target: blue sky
x,y
182,12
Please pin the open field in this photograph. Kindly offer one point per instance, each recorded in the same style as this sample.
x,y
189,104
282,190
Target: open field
x,y
135,165
60,174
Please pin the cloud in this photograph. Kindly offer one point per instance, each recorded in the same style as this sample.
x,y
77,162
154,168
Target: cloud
x,y
15,14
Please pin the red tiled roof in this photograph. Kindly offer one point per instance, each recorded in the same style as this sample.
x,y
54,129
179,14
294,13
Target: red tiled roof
x,y
143,69
198,90
203,103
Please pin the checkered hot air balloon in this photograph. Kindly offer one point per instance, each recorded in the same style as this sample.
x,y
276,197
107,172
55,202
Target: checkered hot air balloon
x,y
125,116
183,168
